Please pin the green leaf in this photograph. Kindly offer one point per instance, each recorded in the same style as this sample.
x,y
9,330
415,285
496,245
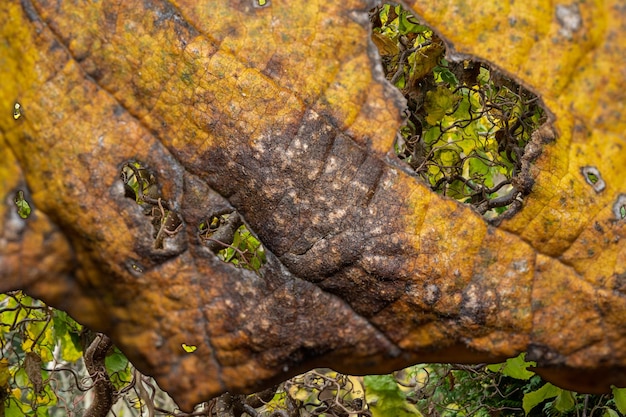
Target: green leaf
x,y
609,412
378,383
405,25
443,74
116,362
189,348
532,399
564,401
23,208
516,367
59,324
13,410
477,167
437,103
385,398
66,333
619,396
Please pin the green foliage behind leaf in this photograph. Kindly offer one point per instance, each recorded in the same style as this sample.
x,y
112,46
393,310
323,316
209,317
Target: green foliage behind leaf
x,y
619,396
516,367
534,398
23,208
385,398
468,126
246,251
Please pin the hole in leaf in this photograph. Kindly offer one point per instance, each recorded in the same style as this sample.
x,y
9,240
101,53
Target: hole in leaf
x,y
17,110
141,185
467,125
23,208
189,348
593,178
134,267
227,236
619,208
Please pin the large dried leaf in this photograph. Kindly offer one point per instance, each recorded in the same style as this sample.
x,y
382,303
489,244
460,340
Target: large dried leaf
x,y
281,112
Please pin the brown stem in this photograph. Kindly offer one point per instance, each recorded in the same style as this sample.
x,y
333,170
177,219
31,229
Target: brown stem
x,y
94,357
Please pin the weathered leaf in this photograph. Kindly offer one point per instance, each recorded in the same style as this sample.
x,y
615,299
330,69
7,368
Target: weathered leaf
x,y
281,113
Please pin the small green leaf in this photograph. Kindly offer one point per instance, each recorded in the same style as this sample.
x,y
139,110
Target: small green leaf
x,y
516,367
23,208
442,73
619,396
116,362
189,348
609,412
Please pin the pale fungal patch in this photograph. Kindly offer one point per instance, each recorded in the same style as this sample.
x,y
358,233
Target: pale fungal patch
x,y
521,266
298,144
569,18
258,145
472,300
331,166
389,180
619,208
431,294
338,214
313,174
376,231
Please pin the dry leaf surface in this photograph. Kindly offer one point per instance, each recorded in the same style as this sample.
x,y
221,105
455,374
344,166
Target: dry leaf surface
x,y
280,112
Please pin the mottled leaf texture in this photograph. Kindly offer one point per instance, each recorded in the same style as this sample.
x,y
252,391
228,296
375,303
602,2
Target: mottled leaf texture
x,y
281,113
